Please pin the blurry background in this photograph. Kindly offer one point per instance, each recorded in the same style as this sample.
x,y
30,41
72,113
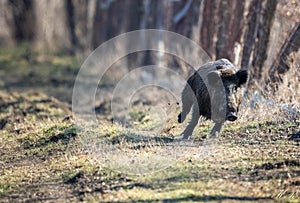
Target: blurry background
x,y
43,43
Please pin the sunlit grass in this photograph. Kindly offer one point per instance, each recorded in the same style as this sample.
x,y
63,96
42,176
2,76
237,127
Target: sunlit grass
x,y
43,151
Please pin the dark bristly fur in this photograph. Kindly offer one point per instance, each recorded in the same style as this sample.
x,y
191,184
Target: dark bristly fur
x,y
216,74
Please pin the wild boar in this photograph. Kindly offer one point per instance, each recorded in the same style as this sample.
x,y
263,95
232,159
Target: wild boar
x,y
215,93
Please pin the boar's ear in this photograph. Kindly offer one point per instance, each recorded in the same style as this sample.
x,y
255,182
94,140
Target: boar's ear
x,y
214,78
242,76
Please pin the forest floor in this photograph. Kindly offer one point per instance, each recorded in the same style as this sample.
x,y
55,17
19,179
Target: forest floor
x,y
42,157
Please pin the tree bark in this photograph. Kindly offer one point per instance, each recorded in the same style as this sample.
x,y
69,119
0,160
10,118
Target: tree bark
x,y
23,19
282,65
53,30
83,18
115,17
6,19
251,33
208,28
17,21
263,35
229,27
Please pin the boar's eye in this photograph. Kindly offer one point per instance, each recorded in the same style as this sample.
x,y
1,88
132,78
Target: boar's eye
x,y
234,88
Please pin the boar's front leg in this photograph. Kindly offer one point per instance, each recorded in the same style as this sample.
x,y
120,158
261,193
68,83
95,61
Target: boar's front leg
x,y
216,129
193,122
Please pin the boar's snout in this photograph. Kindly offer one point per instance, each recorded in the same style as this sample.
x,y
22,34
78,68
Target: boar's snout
x,y
231,116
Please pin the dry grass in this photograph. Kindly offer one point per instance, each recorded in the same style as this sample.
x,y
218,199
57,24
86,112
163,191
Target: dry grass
x,y
289,89
44,156
43,159
284,104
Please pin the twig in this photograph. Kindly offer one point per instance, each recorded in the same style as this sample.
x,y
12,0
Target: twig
x,y
182,12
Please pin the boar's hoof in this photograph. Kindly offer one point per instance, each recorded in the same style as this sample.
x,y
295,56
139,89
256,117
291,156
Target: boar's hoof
x,y
186,136
215,134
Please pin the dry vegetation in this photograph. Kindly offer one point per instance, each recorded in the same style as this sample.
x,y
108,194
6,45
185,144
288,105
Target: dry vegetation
x,y
43,159
45,156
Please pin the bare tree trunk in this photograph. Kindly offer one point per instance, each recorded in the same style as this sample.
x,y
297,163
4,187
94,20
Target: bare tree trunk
x,y
251,32
17,21
263,35
185,17
23,19
115,17
71,22
83,18
256,40
208,28
53,31
99,24
196,29
223,30
229,27
6,19
282,65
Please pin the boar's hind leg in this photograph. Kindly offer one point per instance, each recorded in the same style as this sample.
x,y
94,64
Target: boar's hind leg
x,y
187,102
216,129
192,124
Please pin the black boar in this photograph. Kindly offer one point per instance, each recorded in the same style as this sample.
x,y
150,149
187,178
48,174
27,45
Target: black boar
x,y
215,93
